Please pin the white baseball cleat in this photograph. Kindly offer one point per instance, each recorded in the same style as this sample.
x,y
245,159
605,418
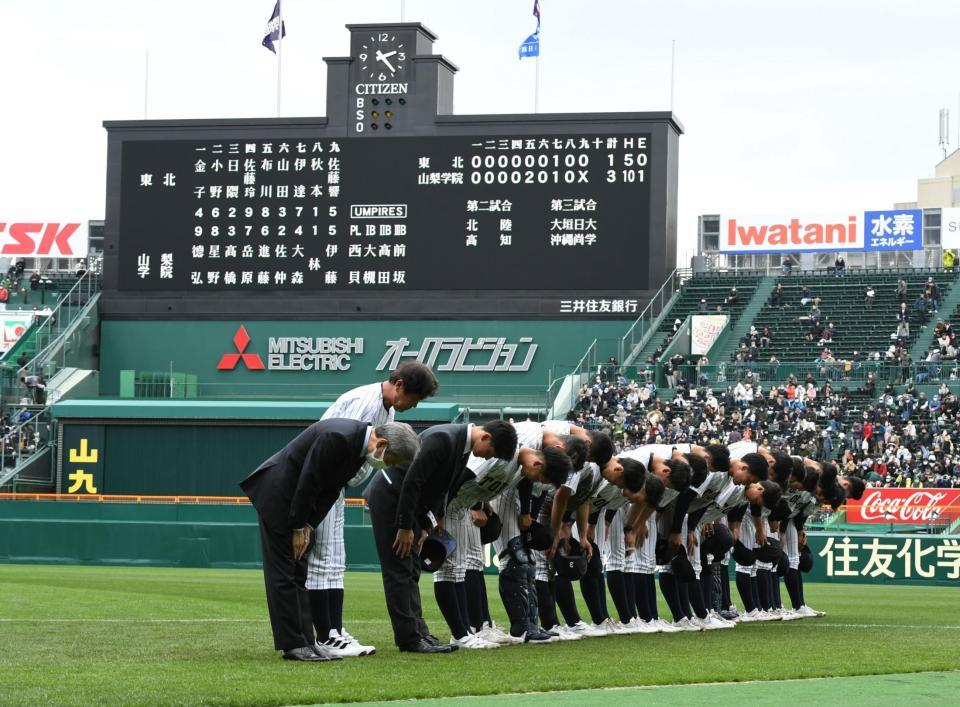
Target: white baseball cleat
x,y
586,630
686,624
472,642
665,626
564,633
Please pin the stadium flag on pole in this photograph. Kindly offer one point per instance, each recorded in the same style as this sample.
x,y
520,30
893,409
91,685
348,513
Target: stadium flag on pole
x,y
276,29
531,45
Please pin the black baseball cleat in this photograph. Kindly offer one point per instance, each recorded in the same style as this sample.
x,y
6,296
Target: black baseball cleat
x,y
422,646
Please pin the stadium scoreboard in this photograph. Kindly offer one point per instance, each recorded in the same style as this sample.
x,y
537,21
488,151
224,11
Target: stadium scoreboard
x,y
391,205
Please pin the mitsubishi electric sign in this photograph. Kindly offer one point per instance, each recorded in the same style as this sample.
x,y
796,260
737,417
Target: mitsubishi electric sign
x,y
292,353
455,354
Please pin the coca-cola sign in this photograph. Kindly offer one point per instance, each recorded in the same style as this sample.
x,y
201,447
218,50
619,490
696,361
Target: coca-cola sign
x,y
905,506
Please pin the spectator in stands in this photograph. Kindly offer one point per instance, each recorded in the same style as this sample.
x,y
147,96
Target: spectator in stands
x,y
839,265
806,297
869,295
35,280
36,386
777,297
903,330
702,306
921,305
81,269
22,359
932,291
731,298
901,290
827,336
786,265
765,337
676,325
19,268
949,259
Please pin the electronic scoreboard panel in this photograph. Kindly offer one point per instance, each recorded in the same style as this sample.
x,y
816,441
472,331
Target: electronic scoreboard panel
x,y
430,214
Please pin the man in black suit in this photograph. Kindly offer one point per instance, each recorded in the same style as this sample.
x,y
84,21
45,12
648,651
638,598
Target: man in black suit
x,y
406,502
292,492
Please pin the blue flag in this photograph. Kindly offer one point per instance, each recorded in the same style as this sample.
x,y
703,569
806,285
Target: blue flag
x,y
276,29
530,46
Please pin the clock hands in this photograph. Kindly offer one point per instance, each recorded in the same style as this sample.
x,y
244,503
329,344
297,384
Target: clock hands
x,y
385,58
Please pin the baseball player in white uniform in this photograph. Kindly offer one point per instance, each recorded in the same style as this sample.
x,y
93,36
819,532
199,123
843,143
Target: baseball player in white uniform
x,y
493,485
375,403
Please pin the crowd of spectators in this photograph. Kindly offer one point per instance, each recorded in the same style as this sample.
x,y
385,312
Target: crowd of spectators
x,y
891,439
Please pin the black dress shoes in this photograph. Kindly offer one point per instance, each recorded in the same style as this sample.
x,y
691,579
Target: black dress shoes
x,y
422,646
306,654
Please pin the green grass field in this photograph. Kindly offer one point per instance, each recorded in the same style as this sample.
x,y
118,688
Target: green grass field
x,y
119,635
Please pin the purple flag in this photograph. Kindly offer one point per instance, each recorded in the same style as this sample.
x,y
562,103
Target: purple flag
x,y
276,29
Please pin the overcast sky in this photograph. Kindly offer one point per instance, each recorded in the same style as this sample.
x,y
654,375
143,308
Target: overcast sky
x,y
789,107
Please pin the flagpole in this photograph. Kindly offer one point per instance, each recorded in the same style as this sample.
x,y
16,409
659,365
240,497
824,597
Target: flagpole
x,y
673,53
403,11
146,83
536,86
279,51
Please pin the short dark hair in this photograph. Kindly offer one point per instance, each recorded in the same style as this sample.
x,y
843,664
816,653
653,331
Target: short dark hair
x,y
719,457
782,468
601,448
857,487
838,498
653,489
576,449
556,465
418,379
798,471
698,466
757,466
810,480
503,437
634,472
828,478
771,494
680,474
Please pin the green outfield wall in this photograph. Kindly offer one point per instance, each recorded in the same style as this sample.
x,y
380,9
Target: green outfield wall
x,y
490,361
183,448
187,535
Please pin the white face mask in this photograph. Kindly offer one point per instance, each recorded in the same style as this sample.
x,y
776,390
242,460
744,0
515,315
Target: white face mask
x,y
377,463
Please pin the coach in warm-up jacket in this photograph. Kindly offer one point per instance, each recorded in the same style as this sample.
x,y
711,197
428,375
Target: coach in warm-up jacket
x,y
292,492
407,502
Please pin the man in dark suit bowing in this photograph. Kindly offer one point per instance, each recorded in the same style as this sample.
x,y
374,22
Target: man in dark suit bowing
x,y
408,501
292,492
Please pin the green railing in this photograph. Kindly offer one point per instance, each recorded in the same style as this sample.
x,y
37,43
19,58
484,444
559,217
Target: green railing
x,y
26,441
643,326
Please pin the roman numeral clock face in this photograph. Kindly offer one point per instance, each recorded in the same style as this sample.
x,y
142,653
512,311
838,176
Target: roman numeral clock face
x,y
382,58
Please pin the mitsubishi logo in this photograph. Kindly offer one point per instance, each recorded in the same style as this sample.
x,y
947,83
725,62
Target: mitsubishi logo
x,y
251,360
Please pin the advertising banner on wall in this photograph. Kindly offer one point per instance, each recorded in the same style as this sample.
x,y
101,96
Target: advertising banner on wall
x,y
786,233
894,230
910,506
950,228
704,331
34,239
13,327
891,559
900,229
